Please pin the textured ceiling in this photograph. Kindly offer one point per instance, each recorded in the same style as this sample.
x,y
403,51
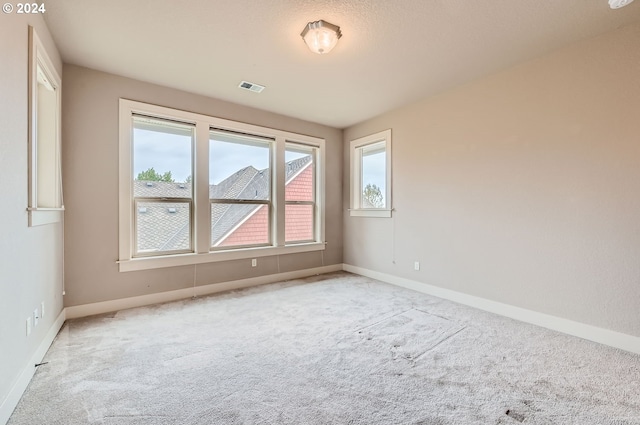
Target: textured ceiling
x,y
392,52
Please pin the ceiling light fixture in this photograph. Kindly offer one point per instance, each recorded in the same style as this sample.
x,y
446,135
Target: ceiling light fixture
x,y
321,36
617,4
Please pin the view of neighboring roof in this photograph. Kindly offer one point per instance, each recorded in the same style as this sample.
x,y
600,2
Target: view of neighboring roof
x,y
165,226
162,227
159,189
247,184
293,167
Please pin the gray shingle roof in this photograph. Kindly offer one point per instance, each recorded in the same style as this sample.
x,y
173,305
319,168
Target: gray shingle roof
x,y
154,189
158,229
162,226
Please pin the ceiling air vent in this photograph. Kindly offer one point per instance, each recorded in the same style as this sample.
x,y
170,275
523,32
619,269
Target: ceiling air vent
x,y
251,86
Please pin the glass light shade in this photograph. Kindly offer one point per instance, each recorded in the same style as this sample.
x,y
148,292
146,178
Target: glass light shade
x,y
321,36
617,4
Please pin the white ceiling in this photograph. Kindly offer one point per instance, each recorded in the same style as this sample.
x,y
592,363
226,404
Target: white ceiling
x,y
392,52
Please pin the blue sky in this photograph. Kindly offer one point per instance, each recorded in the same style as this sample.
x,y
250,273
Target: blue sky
x,y
373,171
170,152
162,152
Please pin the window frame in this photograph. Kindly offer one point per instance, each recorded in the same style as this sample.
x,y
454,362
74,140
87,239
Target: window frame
x,y
266,202
39,58
314,203
201,209
135,253
356,148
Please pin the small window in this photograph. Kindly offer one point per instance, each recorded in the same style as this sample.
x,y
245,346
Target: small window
x,y
371,175
45,175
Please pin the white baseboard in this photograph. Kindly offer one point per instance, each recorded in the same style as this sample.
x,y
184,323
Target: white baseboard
x,y
10,403
180,294
592,333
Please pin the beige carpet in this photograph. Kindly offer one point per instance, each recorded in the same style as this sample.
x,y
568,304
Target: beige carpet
x,y
333,349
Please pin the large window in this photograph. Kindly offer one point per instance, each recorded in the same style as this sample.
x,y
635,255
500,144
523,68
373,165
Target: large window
x,y
371,175
195,189
45,174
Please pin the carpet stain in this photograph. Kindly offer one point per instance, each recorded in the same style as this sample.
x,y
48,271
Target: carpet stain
x,y
410,334
431,421
517,416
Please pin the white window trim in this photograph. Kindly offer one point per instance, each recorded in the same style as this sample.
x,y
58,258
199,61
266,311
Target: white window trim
x,y
38,57
355,209
202,233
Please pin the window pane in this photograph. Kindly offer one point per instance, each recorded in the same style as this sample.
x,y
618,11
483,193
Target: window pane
x,y
47,143
239,167
162,158
374,176
239,224
162,226
299,173
298,219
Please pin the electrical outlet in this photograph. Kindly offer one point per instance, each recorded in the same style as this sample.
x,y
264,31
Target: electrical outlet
x,y
28,326
254,262
42,310
416,265
36,316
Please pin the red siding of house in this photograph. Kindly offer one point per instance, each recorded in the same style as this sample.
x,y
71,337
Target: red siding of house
x,y
298,223
298,218
301,187
253,231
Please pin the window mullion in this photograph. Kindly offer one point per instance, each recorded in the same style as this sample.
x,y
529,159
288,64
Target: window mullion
x,y
318,200
300,203
240,201
279,192
202,207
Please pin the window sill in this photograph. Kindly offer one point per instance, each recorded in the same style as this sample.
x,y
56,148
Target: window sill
x,y
148,263
41,216
370,213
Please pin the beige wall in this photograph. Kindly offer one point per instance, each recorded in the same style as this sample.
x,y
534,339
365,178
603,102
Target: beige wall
x,y
522,187
90,164
30,257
